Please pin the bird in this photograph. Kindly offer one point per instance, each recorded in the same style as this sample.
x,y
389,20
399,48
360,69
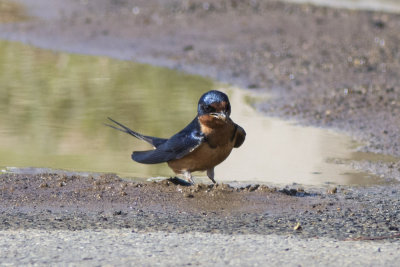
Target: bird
x,y
203,144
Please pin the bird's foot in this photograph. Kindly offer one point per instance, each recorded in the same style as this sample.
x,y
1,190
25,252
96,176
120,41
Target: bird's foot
x,y
210,174
191,181
188,177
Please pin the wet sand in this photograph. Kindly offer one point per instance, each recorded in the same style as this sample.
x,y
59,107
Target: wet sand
x,y
323,66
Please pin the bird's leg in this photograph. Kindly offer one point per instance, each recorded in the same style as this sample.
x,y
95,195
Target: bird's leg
x,y
188,177
210,174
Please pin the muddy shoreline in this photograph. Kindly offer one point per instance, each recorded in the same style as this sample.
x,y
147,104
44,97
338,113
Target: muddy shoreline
x,y
60,202
323,66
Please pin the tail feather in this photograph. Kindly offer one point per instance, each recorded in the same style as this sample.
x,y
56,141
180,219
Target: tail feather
x,y
154,141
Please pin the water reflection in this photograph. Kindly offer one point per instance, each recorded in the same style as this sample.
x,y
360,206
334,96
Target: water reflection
x,y
52,106
280,152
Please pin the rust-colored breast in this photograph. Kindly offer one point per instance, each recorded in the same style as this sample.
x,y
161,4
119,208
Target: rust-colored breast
x,y
202,158
220,140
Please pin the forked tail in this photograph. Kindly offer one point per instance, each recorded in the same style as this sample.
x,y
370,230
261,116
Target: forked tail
x,y
154,141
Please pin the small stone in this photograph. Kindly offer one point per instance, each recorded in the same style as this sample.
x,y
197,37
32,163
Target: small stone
x,y
188,48
43,185
117,212
199,187
297,227
265,188
332,190
165,182
252,86
300,190
223,187
188,195
254,187
379,24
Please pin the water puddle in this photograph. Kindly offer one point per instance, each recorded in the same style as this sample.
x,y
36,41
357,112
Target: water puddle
x,y
53,106
392,6
282,152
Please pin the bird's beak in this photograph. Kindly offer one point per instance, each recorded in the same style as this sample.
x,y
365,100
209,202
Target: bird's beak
x,y
220,115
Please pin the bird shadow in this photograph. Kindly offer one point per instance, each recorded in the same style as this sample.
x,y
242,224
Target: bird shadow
x,y
179,181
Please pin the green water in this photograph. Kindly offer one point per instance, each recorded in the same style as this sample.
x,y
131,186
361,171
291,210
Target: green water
x,y
52,106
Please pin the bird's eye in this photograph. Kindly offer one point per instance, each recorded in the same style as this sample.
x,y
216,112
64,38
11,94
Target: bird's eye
x,y
208,109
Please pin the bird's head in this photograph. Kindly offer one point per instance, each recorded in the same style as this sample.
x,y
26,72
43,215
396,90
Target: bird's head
x,y
214,105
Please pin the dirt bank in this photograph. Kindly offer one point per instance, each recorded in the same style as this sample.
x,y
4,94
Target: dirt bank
x,y
51,201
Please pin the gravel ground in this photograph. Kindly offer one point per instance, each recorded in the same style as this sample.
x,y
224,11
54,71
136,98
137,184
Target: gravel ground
x,y
323,66
122,247
50,201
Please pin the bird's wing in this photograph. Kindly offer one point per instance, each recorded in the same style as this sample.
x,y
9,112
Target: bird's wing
x,y
240,136
176,147
154,141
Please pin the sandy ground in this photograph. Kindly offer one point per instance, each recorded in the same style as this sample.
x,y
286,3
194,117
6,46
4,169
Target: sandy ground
x,y
323,66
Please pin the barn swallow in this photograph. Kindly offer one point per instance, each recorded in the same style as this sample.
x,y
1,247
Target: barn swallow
x,y
200,146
